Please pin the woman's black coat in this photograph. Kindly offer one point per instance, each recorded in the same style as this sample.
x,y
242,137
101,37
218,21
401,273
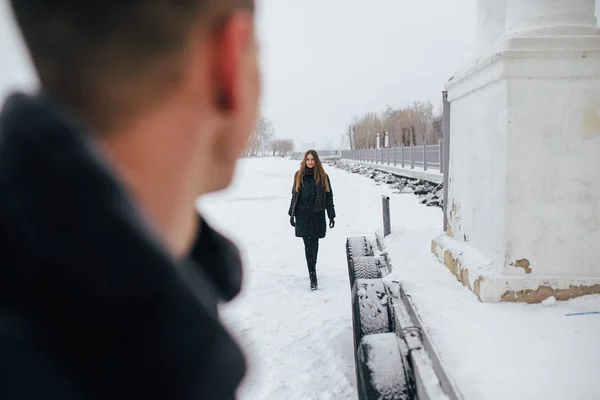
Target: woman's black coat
x,y
308,207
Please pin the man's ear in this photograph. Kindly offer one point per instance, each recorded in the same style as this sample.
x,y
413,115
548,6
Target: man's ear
x,y
231,43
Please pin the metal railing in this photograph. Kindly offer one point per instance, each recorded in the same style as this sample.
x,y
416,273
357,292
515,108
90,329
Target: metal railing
x,y
424,156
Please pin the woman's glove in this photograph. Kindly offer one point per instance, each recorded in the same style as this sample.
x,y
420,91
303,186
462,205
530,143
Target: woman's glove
x,y
331,223
292,222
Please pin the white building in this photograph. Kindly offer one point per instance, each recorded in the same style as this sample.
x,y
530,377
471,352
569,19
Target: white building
x,y
524,178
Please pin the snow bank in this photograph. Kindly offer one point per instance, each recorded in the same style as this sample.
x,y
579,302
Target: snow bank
x,y
430,193
495,351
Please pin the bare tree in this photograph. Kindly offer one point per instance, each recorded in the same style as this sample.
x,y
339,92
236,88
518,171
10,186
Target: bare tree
x,y
260,140
275,146
366,129
412,125
287,147
266,134
437,127
282,147
349,132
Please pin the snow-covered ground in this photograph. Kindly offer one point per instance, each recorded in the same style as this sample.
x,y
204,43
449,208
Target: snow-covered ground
x,y
494,351
300,343
498,351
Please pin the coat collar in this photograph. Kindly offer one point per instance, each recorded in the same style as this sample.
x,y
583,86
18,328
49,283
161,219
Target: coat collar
x,y
77,258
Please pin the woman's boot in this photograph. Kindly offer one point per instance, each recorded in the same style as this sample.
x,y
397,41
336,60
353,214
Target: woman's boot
x,y
312,273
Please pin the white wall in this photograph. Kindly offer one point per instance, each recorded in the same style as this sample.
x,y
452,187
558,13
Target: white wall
x,y
491,22
553,180
525,162
477,168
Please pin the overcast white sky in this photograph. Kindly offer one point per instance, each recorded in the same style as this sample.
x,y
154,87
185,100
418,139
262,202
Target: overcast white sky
x,y
325,61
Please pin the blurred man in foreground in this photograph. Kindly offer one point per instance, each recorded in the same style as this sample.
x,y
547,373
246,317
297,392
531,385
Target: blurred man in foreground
x,y
109,280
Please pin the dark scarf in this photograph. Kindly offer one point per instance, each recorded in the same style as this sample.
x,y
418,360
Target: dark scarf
x,y
320,189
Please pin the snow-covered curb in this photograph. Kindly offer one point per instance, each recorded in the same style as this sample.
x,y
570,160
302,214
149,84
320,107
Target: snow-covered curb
x,y
477,273
430,193
432,381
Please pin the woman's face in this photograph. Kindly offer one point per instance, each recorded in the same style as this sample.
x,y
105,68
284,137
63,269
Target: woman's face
x,y
310,161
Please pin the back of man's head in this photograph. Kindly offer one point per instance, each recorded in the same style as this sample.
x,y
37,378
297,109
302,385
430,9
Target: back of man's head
x,y
171,86
105,58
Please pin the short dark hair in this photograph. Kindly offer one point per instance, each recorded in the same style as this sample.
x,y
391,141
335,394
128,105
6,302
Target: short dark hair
x,y
89,53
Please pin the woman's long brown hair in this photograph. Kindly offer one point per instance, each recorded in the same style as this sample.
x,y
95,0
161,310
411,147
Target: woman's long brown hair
x,y
320,175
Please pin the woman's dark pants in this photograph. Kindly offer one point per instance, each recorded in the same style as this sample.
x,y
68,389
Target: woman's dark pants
x,y
311,248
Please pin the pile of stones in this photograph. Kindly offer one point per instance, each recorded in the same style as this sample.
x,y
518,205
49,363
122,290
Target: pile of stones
x,y
430,194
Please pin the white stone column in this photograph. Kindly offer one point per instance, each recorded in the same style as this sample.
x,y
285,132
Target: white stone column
x,y
523,195
491,22
550,19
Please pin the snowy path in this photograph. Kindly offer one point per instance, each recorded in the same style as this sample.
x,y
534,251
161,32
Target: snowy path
x,y
299,342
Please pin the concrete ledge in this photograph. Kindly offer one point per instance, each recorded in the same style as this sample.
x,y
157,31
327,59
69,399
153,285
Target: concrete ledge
x,y
477,274
429,176
430,377
427,382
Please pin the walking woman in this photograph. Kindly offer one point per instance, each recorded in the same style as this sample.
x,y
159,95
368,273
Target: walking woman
x,y
311,197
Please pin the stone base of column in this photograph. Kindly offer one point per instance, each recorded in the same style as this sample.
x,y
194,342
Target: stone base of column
x,y
523,182
476,273
523,220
